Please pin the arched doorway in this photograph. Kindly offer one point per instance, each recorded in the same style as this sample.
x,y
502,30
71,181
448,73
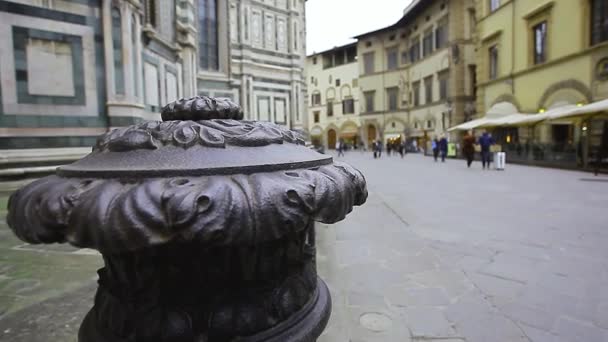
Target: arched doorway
x,y
331,139
371,134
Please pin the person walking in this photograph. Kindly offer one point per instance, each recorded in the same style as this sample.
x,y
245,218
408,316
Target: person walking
x,y
379,145
485,141
435,148
341,148
468,147
443,147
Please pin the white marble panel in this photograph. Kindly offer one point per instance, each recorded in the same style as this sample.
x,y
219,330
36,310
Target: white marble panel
x,y
264,109
171,87
49,68
7,66
256,28
151,79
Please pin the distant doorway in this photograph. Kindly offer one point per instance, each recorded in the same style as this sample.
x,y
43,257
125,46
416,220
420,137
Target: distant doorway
x,y
371,134
331,139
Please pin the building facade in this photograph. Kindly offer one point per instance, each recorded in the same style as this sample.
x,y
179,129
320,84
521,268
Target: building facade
x,y
538,56
417,77
333,97
72,70
258,59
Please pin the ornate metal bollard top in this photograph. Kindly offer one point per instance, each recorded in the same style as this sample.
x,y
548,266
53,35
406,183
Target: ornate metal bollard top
x,y
205,223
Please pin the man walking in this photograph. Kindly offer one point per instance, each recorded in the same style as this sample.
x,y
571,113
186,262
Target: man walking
x,y
468,147
485,141
443,147
435,148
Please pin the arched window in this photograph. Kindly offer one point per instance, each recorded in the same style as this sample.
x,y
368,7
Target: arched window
x,y
119,72
134,39
208,35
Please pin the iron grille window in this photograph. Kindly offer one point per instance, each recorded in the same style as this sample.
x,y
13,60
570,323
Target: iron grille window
x,y
368,63
416,91
441,36
428,90
443,85
369,101
208,35
415,50
599,21
348,106
493,59
540,42
391,59
119,71
392,95
427,43
330,108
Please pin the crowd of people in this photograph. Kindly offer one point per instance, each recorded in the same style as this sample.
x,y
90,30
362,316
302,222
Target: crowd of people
x,y
393,147
439,147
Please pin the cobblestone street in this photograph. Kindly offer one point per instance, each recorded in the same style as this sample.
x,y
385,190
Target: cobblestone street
x,y
439,252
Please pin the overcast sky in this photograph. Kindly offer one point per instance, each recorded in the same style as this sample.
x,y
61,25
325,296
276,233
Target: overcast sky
x,y
331,23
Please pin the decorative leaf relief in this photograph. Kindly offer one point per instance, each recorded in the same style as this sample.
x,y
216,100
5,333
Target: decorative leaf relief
x,y
202,108
115,216
210,133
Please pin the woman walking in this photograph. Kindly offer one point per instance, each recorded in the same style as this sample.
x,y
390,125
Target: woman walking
x,y
468,147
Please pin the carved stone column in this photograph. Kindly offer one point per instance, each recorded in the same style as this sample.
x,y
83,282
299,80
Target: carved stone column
x,y
205,223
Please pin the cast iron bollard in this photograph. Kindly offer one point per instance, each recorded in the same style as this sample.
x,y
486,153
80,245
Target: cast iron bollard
x,y
205,224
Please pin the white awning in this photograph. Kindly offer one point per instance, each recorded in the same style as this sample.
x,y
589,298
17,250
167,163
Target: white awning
x,y
592,108
497,115
470,124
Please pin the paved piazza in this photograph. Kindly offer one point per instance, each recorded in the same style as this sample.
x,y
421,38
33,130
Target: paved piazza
x,y
438,253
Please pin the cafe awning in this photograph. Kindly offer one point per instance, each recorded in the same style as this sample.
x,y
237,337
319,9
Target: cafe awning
x,y
589,109
500,114
470,124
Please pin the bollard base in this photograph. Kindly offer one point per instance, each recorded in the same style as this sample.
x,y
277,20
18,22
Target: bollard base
x,y
304,326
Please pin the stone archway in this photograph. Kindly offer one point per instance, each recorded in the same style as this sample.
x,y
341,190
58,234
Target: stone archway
x,y
331,138
570,84
506,98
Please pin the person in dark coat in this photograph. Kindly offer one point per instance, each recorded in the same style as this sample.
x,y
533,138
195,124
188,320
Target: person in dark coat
x,y
468,147
443,148
435,148
485,141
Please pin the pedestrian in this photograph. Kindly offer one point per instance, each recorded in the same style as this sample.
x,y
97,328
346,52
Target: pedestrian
x,y
374,149
443,147
485,141
435,148
341,147
388,148
602,152
380,146
402,148
468,147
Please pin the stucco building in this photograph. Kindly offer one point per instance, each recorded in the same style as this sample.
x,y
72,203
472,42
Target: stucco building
x,y
333,96
417,76
71,70
540,56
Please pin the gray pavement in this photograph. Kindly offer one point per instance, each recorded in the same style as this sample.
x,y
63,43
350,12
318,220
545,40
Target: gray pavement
x,y
445,253
438,253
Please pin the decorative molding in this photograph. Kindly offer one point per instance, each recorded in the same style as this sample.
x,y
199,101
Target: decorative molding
x,y
538,10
